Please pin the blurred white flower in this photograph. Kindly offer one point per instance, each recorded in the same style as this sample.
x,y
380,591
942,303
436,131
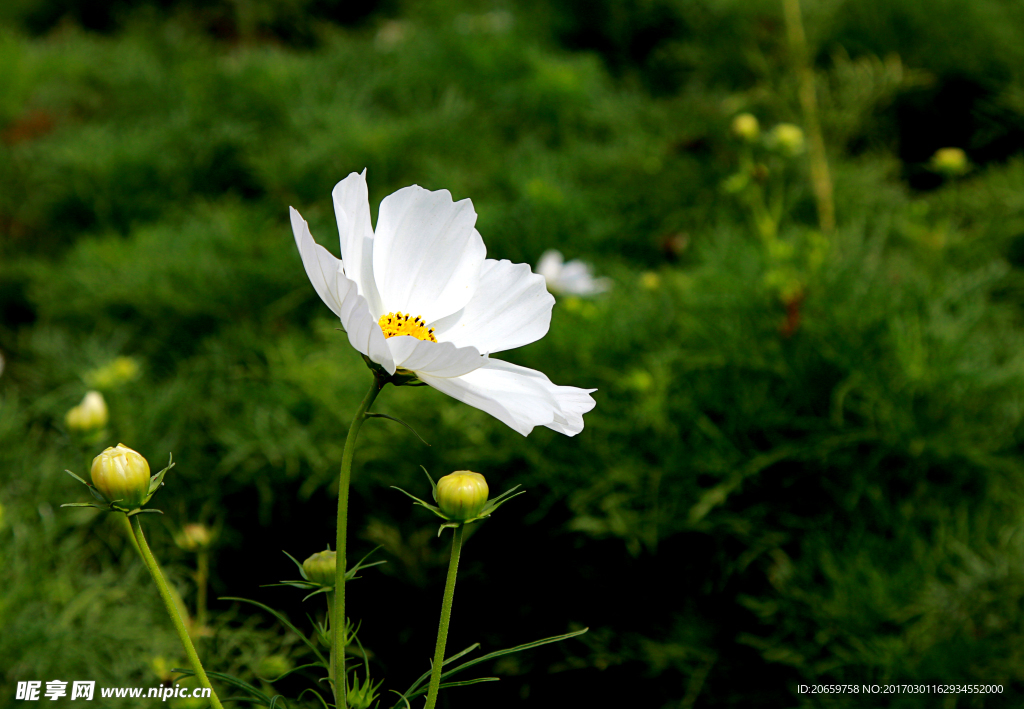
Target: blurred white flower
x,y
418,295
391,34
573,278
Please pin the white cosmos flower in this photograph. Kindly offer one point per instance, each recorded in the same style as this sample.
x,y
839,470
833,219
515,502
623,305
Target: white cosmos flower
x,y
419,295
573,278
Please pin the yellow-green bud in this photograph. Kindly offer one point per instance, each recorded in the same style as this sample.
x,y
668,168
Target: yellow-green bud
x,y
194,537
462,495
951,162
273,666
321,567
113,374
121,474
746,128
89,415
787,138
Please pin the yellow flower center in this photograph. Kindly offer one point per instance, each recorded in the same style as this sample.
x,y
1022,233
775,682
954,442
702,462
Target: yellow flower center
x,y
395,324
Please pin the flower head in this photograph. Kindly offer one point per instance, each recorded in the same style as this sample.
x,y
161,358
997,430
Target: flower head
x,y
951,162
462,495
122,475
787,138
321,567
114,373
461,498
194,537
746,128
418,296
89,415
572,278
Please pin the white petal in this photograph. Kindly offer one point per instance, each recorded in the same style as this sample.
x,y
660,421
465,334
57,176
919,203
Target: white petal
x,y
511,308
341,295
437,359
519,397
426,253
574,403
322,267
352,210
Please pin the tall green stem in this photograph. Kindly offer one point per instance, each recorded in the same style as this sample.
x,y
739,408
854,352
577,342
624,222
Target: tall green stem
x,y
330,623
172,610
202,576
344,478
131,534
446,614
821,181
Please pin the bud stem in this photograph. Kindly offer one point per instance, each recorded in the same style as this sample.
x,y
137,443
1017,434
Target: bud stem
x,y
338,616
821,181
446,614
172,610
202,575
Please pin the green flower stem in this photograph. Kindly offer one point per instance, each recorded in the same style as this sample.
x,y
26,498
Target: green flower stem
x,y
131,534
344,478
202,576
821,181
446,614
330,623
172,610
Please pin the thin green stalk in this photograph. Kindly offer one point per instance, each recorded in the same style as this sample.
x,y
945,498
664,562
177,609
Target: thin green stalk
x,y
202,575
330,624
131,534
446,614
344,478
821,180
172,610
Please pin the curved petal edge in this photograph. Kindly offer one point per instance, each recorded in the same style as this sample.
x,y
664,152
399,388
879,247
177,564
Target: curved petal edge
x,y
519,397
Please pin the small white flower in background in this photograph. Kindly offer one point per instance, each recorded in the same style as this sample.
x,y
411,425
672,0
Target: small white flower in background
x,y
418,295
391,34
573,278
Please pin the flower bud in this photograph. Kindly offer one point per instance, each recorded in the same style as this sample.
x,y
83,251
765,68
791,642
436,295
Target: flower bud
x,y
113,374
462,495
746,128
273,666
90,415
321,567
787,138
121,474
194,537
950,162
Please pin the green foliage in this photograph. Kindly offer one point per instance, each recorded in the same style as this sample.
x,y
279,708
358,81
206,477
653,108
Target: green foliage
x,y
823,489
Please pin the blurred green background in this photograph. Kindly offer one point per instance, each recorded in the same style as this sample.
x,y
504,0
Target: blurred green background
x,y
805,461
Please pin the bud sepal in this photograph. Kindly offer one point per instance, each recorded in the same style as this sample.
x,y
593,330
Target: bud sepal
x,y
306,583
401,377
450,521
107,505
